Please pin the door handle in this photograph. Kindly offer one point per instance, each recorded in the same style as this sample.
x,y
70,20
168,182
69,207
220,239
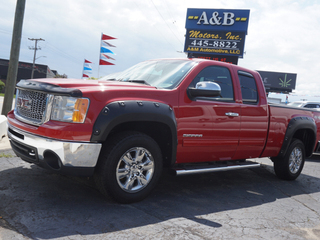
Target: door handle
x,y
232,114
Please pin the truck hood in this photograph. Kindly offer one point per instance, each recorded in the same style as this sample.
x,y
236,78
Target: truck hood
x,y
100,92
91,85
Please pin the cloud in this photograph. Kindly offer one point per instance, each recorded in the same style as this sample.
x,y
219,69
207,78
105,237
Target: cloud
x,y
282,35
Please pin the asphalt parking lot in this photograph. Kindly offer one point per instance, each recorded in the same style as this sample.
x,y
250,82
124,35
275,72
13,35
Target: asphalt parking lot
x,y
240,204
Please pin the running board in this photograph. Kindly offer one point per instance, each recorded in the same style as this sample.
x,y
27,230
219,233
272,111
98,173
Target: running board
x,y
196,168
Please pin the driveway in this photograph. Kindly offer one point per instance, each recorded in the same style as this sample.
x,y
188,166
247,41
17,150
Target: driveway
x,y
241,204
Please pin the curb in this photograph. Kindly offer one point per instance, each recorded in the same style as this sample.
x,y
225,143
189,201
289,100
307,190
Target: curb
x,y
4,141
5,144
3,126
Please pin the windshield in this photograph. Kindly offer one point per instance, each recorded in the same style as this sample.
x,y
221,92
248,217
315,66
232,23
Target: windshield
x,y
157,73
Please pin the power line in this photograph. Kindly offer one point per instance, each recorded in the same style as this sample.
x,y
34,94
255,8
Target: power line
x,y
166,23
62,52
51,46
170,43
6,32
171,15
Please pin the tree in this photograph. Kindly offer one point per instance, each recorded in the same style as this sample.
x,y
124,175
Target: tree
x,y
2,85
60,76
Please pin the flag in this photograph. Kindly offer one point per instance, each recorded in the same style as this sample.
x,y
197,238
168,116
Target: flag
x,y
104,48
106,37
103,62
87,69
106,56
106,44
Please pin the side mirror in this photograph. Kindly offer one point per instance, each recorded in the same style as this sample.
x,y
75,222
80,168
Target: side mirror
x,y
204,89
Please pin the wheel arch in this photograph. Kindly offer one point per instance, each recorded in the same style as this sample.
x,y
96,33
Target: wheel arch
x,y
154,119
302,128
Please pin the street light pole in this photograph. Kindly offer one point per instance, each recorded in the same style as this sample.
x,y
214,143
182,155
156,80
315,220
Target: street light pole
x,y
35,51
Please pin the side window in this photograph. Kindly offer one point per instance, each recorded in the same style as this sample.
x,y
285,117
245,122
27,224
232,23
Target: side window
x,y
219,75
248,88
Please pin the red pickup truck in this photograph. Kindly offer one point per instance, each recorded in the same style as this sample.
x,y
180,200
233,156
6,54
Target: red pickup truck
x,y
188,115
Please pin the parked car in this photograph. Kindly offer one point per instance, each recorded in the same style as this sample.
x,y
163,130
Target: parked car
x,y
305,104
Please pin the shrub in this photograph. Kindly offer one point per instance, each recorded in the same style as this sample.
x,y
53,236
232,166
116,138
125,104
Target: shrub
x,y
2,85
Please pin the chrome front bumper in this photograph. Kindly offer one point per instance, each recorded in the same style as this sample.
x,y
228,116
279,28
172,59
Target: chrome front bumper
x,y
72,158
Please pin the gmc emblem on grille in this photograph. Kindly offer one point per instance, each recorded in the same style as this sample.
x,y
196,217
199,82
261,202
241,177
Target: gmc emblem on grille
x,y
24,103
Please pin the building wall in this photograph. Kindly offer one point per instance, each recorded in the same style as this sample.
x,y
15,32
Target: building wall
x,y
24,71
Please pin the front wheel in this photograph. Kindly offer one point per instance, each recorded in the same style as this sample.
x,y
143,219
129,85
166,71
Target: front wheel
x,y
129,168
290,167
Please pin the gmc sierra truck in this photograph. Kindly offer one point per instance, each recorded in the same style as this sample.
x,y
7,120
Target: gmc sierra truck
x,y
188,115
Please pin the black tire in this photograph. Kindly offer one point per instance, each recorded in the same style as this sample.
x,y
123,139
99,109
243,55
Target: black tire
x,y
290,167
129,167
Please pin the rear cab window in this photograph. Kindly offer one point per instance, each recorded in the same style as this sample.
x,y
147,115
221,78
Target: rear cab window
x,y
248,86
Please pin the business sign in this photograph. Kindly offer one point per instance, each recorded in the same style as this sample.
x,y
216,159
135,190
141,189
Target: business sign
x,y
215,42
218,19
278,81
216,31
227,59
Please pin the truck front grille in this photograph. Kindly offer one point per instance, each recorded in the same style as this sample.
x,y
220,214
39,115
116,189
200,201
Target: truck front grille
x,y
31,106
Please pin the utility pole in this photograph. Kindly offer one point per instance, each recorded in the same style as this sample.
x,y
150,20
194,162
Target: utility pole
x,y
35,51
14,57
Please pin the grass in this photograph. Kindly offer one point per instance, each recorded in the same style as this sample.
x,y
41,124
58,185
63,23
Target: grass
x,y
6,155
2,95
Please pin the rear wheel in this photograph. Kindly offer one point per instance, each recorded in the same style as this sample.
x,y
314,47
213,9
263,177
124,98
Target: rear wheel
x,y
290,167
129,168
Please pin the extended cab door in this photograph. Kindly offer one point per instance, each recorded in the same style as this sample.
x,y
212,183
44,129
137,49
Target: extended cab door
x,y
209,127
254,116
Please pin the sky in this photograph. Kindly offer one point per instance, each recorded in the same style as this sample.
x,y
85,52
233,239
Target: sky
x,y
282,35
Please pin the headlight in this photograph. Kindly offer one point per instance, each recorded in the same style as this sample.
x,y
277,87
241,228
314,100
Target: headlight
x,y
69,109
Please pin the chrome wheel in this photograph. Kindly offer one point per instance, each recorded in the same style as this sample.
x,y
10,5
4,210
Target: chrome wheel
x,y
295,160
135,169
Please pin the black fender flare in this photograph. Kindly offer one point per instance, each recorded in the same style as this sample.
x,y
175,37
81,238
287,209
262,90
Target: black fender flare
x,y
295,124
120,112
